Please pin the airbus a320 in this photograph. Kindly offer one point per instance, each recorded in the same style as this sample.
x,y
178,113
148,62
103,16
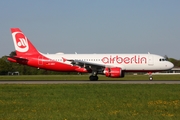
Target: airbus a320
x,y
110,65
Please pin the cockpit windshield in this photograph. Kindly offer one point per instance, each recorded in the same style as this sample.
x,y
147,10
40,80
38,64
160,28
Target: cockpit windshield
x,y
162,59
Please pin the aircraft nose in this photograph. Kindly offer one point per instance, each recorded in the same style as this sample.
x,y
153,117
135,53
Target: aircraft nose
x,y
170,65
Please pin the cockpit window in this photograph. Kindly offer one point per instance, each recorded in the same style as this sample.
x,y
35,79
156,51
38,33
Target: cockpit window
x,y
162,59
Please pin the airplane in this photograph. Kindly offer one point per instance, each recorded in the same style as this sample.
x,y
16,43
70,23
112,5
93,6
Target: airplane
x,y
110,65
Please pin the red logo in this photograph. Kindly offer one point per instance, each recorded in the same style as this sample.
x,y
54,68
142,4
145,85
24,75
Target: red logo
x,y
127,60
21,41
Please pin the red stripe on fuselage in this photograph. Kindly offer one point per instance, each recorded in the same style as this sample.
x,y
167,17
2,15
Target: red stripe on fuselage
x,y
45,63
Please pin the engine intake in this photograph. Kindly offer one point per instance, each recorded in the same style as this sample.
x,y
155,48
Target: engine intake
x,y
114,72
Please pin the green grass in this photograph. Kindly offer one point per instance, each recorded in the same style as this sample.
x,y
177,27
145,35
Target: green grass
x,y
90,102
86,77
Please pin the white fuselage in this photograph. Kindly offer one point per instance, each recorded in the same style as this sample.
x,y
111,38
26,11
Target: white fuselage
x,y
128,62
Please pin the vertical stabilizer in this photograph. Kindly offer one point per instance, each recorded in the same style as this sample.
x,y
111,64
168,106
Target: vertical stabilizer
x,y
22,44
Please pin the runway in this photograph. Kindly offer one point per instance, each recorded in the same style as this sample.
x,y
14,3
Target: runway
x,y
87,82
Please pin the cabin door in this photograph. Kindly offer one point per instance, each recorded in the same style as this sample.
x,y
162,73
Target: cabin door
x,y
150,60
40,60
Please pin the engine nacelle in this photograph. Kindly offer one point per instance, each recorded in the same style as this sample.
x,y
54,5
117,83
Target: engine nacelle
x,y
115,72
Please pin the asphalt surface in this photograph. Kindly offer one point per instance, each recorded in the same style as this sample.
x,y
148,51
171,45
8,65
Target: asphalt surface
x,y
86,82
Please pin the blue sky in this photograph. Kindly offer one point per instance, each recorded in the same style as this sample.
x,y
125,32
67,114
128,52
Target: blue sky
x,y
94,26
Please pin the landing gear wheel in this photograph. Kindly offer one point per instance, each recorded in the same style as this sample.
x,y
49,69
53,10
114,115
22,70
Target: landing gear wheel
x,y
93,78
150,78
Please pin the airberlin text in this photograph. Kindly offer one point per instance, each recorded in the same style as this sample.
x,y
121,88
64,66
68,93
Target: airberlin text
x,y
126,60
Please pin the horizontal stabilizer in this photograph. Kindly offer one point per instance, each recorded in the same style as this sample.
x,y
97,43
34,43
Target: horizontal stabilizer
x,y
17,59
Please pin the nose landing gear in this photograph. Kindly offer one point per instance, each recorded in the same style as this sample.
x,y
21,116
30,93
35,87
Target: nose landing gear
x,y
150,76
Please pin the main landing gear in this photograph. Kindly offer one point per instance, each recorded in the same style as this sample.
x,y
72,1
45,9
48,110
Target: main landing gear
x,y
94,76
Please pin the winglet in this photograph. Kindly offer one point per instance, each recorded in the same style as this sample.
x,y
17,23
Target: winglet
x,y
64,59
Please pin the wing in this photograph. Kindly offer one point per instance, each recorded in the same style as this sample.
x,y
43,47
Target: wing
x,y
88,65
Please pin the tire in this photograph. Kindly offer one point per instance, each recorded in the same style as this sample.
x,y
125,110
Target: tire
x,y
150,78
93,78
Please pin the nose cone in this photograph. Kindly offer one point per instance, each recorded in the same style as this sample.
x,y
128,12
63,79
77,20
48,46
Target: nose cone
x,y
170,65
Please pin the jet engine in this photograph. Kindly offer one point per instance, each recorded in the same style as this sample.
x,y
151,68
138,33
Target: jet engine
x,y
114,72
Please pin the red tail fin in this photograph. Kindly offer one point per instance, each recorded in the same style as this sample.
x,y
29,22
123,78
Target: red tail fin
x,y
22,45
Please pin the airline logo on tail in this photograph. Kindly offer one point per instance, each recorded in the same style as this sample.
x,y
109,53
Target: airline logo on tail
x,y
20,42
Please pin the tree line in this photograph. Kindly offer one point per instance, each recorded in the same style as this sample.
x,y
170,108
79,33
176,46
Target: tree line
x,y
6,66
